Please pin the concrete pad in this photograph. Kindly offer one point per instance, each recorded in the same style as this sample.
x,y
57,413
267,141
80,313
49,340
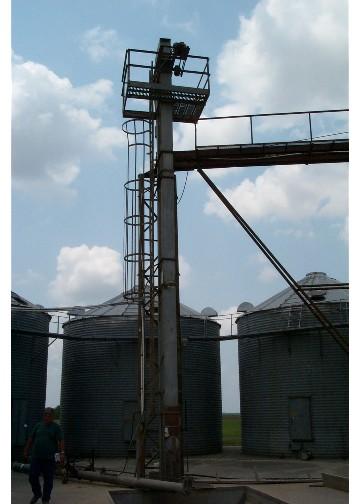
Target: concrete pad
x,y
232,495
71,493
300,494
86,493
229,464
232,463
336,481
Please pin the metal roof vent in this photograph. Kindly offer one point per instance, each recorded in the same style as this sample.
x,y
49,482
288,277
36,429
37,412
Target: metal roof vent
x,y
245,307
209,312
318,295
316,273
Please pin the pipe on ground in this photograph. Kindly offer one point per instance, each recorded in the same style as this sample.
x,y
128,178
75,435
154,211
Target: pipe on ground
x,y
144,483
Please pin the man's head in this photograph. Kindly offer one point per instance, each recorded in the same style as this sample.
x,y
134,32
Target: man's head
x,y
48,416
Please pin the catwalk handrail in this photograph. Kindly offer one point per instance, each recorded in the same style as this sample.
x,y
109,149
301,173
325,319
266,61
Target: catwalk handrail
x,y
297,112
309,113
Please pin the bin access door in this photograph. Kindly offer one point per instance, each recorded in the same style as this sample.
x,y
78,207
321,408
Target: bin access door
x,y
300,418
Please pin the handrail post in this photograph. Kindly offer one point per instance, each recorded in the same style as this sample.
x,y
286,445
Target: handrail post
x,y
311,138
251,130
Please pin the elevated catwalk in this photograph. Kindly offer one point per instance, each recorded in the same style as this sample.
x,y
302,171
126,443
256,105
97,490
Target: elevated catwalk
x,y
263,154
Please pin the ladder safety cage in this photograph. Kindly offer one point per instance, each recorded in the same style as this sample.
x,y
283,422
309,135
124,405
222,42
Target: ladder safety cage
x,y
141,279
140,160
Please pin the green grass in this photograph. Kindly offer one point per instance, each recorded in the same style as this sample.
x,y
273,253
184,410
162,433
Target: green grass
x,y
231,429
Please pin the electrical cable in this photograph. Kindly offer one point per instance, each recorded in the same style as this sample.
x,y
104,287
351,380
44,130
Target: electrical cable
x,y
183,190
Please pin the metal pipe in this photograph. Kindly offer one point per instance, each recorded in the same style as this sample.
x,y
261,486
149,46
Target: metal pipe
x,y
130,481
279,267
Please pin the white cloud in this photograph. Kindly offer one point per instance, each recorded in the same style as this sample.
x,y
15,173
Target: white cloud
x,y
266,272
56,126
100,44
288,193
86,275
185,272
288,56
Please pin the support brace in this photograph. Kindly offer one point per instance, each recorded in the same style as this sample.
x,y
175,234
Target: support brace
x,y
279,267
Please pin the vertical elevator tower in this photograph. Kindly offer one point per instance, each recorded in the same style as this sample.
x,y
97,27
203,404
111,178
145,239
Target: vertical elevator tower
x,y
151,250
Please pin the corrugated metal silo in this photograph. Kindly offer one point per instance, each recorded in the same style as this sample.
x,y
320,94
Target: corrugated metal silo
x,y
293,375
29,353
99,382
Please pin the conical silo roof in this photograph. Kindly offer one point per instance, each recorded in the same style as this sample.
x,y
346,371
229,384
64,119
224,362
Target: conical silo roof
x,y
17,300
287,297
120,306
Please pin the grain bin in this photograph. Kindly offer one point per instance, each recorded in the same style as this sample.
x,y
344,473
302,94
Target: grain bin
x,y
29,353
99,381
293,375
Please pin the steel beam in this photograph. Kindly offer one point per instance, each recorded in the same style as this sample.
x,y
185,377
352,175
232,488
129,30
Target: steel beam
x,y
264,154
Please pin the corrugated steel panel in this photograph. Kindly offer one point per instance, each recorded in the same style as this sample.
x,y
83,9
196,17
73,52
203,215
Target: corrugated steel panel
x,y
99,386
29,355
276,369
291,317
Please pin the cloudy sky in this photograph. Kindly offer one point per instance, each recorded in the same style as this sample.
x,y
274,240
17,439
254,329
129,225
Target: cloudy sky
x,y
69,153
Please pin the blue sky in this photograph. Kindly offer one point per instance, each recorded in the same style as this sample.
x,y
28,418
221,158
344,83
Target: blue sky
x,y
69,155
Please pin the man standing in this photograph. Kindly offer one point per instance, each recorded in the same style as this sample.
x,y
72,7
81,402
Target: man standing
x,y
45,440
